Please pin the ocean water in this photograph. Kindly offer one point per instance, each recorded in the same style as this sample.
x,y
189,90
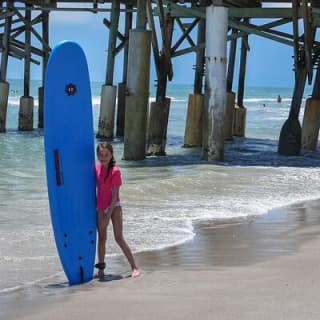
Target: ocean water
x,y
164,197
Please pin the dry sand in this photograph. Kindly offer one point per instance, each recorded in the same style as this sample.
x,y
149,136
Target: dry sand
x,y
259,268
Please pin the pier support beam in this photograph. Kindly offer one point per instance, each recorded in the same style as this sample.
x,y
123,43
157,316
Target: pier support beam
x,y
106,119
159,110
231,97
239,121
26,113
200,58
137,95
4,94
45,49
157,129
311,118
123,85
26,102
194,121
290,135
40,106
104,130
205,127
228,129
240,111
121,110
216,61
4,85
158,122
311,124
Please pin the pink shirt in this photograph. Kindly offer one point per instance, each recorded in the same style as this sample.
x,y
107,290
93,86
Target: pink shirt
x,y
105,184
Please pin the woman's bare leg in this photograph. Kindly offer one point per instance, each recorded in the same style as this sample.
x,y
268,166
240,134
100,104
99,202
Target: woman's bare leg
x,y
116,218
103,222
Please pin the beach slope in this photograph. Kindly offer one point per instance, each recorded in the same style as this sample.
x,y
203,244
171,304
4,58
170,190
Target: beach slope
x,y
282,282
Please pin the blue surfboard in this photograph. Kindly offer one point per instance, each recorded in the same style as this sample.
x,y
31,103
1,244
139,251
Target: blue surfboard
x,y
69,157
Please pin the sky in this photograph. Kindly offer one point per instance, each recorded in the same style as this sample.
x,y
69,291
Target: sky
x,y
269,64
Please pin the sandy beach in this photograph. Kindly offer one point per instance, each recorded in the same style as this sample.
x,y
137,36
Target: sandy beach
x,y
258,268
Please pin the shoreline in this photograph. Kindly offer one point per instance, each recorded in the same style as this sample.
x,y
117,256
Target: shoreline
x,y
240,241
220,252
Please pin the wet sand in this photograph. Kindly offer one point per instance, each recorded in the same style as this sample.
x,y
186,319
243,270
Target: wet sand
x,y
257,268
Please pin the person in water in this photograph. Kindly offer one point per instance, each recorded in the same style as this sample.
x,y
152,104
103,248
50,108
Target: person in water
x,y
279,99
108,180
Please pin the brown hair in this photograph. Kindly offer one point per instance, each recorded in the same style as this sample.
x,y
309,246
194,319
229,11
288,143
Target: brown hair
x,y
106,145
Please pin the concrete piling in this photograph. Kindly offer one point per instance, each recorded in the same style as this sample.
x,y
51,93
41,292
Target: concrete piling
x,y
311,124
4,94
121,109
40,107
108,91
157,127
107,111
137,95
194,121
229,115
26,113
205,127
216,67
239,121
45,58
26,101
123,85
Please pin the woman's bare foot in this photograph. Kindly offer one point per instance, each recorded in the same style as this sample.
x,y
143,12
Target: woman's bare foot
x,y
135,273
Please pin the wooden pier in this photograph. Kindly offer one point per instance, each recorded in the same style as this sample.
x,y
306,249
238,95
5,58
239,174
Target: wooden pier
x,y
215,111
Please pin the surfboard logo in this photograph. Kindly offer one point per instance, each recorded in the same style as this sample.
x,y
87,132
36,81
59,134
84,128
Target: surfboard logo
x,y
71,89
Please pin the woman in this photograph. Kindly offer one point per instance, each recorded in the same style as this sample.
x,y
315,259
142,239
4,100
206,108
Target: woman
x,y
108,177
